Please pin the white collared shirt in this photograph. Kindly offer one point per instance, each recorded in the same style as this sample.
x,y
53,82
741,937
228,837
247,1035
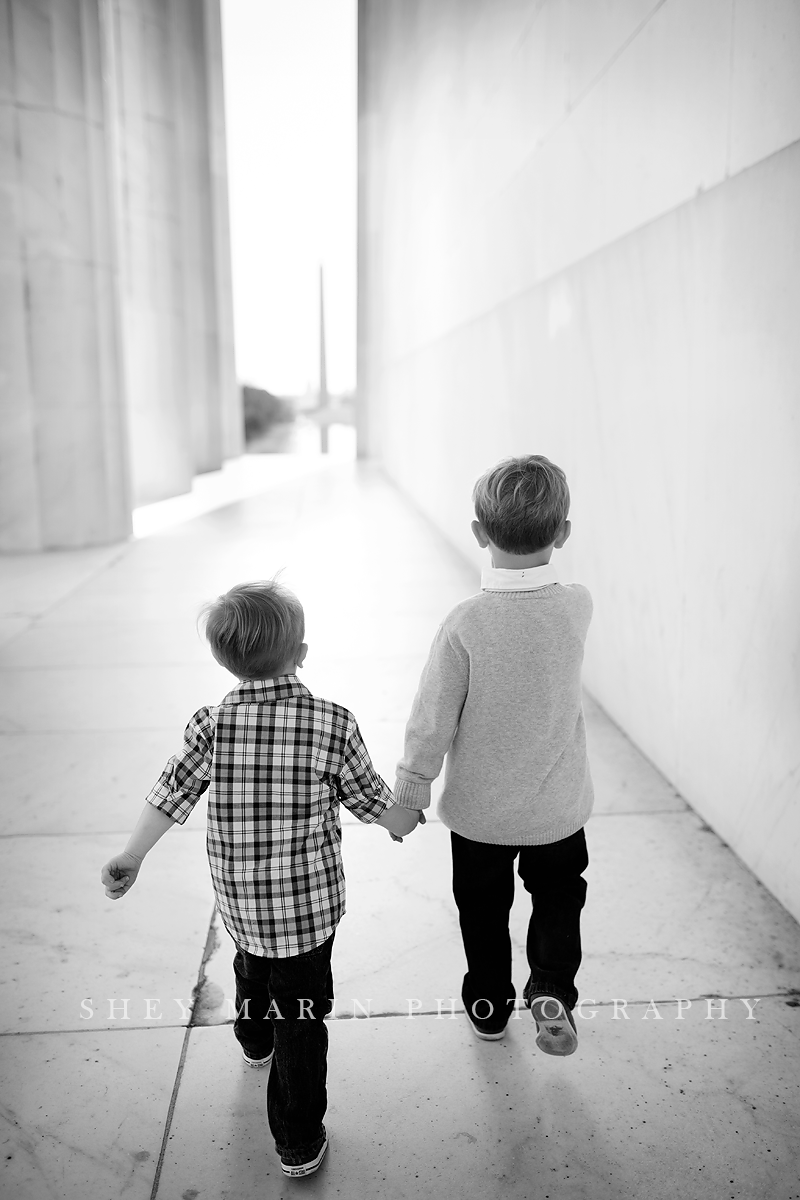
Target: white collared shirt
x,y
503,579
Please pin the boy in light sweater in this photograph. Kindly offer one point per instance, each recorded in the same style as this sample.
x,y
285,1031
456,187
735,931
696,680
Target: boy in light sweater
x,y
500,695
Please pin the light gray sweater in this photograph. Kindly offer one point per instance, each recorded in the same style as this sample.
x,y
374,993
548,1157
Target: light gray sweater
x,y
500,695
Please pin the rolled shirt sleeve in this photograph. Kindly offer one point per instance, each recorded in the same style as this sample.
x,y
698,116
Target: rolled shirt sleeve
x,y
188,774
361,788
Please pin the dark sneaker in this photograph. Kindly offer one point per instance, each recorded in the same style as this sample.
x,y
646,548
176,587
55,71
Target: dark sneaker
x,y
298,1170
257,1062
556,1032
487,1031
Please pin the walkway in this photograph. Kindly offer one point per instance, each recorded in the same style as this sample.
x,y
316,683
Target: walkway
x,y
108,1087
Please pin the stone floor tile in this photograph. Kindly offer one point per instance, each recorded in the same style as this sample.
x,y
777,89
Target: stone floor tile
x,y
85,1112
103,644
11,628
657,1108
153,604
30,584
253,473
367,634
399,939
419,1107
65,941
100,698
624,780
671,911
81,782
383,687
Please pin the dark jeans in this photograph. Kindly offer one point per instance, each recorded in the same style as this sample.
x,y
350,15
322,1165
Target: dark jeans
x,y
483,887
296,994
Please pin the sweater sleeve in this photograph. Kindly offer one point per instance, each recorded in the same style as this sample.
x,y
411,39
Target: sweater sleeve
x,y
434,719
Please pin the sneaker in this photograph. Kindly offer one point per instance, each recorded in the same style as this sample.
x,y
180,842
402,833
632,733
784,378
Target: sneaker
x,y
257,1062
484,1029
556,1032
298,1170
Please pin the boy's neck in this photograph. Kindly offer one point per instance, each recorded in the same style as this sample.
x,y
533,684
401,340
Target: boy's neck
x,y
288,669
519,562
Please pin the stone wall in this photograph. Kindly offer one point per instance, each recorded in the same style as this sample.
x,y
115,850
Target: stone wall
x,y
579,237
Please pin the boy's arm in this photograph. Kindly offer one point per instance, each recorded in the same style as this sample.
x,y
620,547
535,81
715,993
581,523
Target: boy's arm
x,y
119,874
362,790
433,722
182,783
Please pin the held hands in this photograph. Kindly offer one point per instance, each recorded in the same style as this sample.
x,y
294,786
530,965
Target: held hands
x,y
421,821
119,874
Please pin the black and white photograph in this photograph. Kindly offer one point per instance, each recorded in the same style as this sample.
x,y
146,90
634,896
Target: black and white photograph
x,y
400,599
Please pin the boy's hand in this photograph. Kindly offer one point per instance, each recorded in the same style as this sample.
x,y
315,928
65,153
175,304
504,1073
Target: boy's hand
x,y
421,821
119,874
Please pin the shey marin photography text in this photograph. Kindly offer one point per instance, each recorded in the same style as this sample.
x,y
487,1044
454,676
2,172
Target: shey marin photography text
x,y
709,1008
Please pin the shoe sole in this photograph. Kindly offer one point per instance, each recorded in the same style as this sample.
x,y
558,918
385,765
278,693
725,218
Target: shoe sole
x,y
556,1035
301,1169
258,1062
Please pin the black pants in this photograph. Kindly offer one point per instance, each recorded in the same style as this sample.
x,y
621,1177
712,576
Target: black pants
x,y
288,999
483,887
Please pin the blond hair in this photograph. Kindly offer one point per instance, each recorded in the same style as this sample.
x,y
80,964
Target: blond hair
x,y
255,629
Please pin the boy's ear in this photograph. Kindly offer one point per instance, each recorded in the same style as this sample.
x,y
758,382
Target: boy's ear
x,y
301,655
481,536
566,530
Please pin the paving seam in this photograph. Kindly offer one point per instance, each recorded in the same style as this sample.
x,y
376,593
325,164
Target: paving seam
x,y
208,948
173,1100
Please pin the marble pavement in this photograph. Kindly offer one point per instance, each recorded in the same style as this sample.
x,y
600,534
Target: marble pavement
x,y
120,1076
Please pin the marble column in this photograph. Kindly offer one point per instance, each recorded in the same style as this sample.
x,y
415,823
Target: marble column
x,y
174,248
229,394
63,471
366,174
200,371
159,370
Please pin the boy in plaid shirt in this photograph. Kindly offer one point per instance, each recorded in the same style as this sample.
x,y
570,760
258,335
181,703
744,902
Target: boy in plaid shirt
x,y
276,762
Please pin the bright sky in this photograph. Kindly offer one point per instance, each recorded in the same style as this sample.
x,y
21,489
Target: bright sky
x,y
290,81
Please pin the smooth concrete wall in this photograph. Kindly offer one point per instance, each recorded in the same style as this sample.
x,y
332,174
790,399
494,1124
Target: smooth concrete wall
x,y
116,347
579,237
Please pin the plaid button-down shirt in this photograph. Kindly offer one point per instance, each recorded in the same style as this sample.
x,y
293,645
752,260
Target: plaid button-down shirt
x,y
276,762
